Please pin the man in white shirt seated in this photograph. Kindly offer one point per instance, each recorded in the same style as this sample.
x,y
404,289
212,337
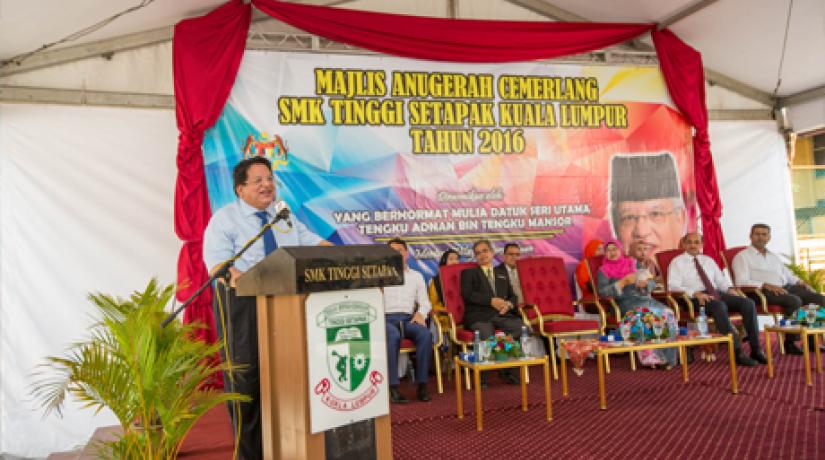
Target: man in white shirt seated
x,y
698,276
755,266
511,253
405,321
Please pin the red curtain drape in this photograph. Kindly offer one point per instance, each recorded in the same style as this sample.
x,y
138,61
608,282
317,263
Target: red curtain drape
x,y
685,78
453,40
207,52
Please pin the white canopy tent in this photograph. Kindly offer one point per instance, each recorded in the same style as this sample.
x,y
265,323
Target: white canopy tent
x,y
88,144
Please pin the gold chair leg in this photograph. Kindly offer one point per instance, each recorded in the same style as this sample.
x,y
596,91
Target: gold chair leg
x,y
437,358
632,361
553,357
781,340
607,363
449,361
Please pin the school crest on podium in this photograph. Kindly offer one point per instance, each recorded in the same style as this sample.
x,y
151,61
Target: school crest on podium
x,y
348,341
347,352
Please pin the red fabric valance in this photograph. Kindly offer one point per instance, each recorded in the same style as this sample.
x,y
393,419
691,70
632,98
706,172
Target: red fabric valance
x,y
208,51
453,40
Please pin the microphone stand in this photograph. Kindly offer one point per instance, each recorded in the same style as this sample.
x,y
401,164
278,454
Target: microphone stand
x,y
223,271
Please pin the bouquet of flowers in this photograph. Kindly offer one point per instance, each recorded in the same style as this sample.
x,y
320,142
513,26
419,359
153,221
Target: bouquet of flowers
x,y
643,323
810,314
503,347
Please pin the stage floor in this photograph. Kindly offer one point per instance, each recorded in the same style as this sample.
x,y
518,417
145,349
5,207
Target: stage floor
x,y
651,414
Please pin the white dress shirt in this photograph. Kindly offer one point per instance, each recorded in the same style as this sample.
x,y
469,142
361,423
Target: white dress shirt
x,y
683,276
752,268
515,282
234,224
402,299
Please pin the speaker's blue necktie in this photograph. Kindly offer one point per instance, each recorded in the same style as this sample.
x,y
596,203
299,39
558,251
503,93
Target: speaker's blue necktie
x,y
269,239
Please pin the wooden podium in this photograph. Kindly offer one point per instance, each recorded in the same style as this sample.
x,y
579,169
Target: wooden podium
x,y
281,283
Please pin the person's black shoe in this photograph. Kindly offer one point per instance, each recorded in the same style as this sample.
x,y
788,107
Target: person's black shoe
x,y
396,396
792,349
422,394
759,357
744,360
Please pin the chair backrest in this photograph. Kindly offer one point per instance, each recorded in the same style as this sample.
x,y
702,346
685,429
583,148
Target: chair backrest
x,y
593,265
727,260
544,283
451,289
663,258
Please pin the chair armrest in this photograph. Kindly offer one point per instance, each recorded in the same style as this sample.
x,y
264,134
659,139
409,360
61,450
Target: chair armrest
x,y
664,297
673,305
524,308
602,318
680,295
447,314
617,312
755,292
439,331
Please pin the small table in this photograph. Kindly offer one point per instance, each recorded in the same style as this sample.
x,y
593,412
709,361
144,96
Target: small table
x,y
477,368
607,348
803,332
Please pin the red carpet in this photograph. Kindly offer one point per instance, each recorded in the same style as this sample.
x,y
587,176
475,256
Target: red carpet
x,y
651,414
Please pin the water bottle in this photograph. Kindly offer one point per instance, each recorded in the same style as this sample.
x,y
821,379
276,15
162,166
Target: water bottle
x,y
810,314
477,346
525,339
702,322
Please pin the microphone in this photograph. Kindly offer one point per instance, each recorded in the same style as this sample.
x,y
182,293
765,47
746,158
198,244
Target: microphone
x,y
282,213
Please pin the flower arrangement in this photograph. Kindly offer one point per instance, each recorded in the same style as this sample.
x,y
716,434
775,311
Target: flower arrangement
x,y
503,347
642,323
802,314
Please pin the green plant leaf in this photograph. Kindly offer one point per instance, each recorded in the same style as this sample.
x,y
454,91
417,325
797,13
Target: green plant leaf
x,y
139,370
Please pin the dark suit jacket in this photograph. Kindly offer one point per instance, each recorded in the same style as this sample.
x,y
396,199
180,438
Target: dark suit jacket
x,y
501,268
477,294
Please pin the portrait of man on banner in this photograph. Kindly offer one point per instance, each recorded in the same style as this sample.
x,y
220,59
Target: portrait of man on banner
x,y
645,200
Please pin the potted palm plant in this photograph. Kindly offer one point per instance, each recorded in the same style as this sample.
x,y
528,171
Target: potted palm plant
x,y
815,278
150,376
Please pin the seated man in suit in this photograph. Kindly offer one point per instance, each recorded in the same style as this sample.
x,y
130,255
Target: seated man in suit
x,y
489,301
756,266
512,253
405,321
699,277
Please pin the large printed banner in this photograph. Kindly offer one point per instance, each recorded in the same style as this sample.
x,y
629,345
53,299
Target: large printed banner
x,y
549,156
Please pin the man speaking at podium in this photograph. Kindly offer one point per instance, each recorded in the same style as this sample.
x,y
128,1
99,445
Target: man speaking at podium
x,y
228,230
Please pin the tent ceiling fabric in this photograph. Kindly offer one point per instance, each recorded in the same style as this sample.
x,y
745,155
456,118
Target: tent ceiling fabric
x,y
738,38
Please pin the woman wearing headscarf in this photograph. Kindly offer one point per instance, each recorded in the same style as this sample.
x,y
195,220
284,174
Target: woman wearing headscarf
x,y
618,278
592,249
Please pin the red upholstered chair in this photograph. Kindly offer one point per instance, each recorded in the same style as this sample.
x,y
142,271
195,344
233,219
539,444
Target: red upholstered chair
x,y
549,305
762,305
605,307
454,305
